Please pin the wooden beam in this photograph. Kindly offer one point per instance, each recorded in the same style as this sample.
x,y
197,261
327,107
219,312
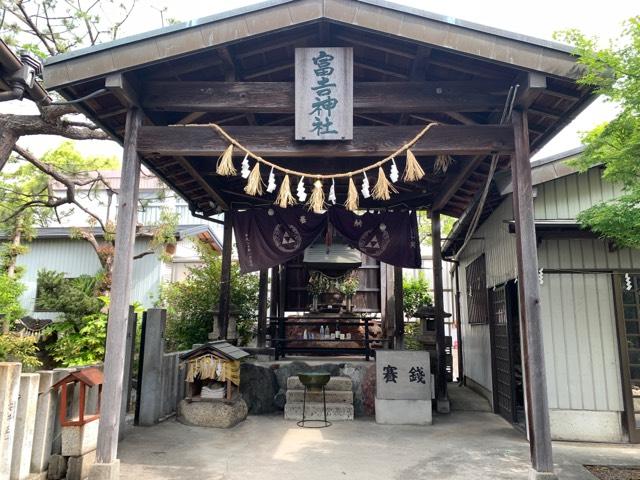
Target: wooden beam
x,y
452,183
531,86
367,141
122,88
224,300
529,302
186,165
108,430
442,396
369,97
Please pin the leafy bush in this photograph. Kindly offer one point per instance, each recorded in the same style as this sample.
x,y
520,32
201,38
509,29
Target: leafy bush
x,y
10,291
74,297
14,348
80,341
416,293
81,329
191,302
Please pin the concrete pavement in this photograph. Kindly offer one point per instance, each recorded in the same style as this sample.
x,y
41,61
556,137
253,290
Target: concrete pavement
x,y
463,445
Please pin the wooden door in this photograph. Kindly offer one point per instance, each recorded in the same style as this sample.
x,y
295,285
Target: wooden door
x,y
627,292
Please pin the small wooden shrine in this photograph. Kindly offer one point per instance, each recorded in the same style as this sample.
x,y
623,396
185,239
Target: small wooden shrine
x,y
82,379
212,370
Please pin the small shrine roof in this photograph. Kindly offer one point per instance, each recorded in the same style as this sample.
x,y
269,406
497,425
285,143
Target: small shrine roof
x,y
219,347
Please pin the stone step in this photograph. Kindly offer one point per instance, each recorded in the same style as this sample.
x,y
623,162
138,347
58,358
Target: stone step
x,y
332,396
335,411
335,383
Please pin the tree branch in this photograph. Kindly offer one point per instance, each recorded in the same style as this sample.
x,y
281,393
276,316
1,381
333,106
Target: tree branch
x,y
143,254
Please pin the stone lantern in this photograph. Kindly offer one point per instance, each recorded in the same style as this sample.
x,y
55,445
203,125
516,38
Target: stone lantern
x,y
232,326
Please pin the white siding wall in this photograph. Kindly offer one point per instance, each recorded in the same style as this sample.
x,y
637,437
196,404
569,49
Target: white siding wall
x,y
76,257
580,338
498,245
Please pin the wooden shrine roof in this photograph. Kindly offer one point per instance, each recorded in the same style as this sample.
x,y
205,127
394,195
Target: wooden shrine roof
x,y
254,47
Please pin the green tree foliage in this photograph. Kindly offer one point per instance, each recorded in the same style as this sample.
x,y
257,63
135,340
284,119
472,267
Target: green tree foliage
x,y
190,303
10,291
81,329
415,294
614,71
15,348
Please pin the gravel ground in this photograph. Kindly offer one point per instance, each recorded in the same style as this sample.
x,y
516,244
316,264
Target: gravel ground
x,y
614,473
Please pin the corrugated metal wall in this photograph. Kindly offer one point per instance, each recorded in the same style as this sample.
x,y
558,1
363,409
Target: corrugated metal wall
x,y
580,338
77,257
580,341
565,197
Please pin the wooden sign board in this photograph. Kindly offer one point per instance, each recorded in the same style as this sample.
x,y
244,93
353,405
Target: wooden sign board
x,y
324,93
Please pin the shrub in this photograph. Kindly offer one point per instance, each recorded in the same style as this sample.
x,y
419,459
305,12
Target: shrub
x,y
10,291
191,302
14,348
416,293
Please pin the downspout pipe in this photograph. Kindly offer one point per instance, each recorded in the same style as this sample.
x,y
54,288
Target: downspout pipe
x,y
16,93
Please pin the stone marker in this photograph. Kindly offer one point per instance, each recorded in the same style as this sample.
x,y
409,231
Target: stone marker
x,y
78,468
403,388
79,439
25,425
9,392
214,414
45,419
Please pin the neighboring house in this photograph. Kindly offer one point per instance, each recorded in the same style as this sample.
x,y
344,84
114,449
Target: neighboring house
x,y
590,294
53,248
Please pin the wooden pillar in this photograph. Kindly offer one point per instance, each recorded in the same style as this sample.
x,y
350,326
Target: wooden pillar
x,y
388,302
273,295
114,363
398,308
225,276
262,307
282,291
442,397
529,299
459,323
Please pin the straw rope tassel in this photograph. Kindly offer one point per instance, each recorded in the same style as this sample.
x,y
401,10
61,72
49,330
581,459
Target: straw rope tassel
x,y
413,171
382,188
225,163
285,198
316,200
352,197
254,184
442,163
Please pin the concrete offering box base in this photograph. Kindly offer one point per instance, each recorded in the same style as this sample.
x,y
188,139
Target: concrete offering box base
x,y
403,412
213,413
403,388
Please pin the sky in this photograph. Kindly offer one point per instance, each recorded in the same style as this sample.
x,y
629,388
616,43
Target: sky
x,y
539,19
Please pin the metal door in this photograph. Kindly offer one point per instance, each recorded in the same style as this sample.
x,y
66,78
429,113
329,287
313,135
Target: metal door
x,y
502,352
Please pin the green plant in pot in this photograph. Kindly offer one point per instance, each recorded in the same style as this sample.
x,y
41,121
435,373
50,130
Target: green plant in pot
x,y
348,286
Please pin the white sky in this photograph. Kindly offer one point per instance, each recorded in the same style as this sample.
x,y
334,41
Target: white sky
x,y
539,19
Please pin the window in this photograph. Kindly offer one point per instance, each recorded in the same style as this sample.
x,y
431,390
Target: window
x,y
477,311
